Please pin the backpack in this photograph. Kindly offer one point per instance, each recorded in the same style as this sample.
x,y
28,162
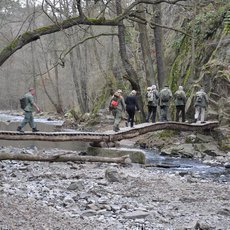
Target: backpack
x,y
23,102
199,98
150,96
114,103
179,96
165,96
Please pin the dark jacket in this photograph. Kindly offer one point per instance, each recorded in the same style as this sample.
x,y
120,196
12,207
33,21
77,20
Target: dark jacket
x,y
131,103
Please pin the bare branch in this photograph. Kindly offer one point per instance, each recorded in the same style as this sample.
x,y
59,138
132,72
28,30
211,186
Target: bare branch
x,y
28,37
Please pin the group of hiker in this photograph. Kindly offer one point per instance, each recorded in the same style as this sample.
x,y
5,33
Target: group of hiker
x,y
118,105
156,98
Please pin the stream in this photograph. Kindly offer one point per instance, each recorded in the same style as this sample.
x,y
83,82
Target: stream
x,y
183,166
187,166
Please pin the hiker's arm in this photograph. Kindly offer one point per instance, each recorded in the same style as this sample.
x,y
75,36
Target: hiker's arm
x,y
35,105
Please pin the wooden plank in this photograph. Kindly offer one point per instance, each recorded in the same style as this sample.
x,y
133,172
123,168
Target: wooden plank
x,y
125,133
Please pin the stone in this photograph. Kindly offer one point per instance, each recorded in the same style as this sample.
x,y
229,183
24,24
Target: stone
x,y
136,215
111,174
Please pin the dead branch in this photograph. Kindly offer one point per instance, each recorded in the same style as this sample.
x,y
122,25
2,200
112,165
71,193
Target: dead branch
x,y
60,158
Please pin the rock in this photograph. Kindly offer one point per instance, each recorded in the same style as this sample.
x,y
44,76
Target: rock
x,y
136,156
76,186
88,213
136,215
111,174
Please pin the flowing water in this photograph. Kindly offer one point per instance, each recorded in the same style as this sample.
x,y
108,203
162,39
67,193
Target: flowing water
x,y
184,166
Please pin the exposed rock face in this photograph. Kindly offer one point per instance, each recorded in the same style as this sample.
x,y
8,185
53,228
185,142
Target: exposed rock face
x,y
211,55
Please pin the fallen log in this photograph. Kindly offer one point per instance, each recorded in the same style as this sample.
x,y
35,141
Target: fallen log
x,y
61,158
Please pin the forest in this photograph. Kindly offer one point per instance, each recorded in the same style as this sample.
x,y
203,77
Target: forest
x,y
76,53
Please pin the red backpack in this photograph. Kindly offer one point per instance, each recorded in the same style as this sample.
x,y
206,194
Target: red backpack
x,y
114,103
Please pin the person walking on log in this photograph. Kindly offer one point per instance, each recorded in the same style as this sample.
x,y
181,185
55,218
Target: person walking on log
x,y
152,96
28,111
180,102
131,106
117,106
201,104
164,100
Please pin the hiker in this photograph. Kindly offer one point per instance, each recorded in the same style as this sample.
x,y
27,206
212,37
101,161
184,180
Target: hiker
x,y
152,96
201,104
131,106
180,101
164,99
28,111
117,106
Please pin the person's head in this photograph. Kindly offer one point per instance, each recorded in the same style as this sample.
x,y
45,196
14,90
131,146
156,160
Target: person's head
x,y
118,93
180,87
154,87
149,88
201,89
133,92
32,90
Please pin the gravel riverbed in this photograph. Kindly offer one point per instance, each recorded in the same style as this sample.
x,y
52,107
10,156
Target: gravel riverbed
x,y
80,195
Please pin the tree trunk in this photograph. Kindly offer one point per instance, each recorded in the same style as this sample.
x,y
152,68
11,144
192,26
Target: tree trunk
x,y
159,47
131,73
145,47
61,158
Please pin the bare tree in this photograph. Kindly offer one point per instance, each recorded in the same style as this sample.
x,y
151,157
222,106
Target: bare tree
x,y
145,47
161,76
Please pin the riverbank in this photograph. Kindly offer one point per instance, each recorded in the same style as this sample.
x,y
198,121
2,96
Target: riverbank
x,y
80,195
38,195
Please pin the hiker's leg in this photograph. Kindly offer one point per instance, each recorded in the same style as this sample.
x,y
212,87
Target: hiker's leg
x,y
132,113
117,120
31,120
149,113
177,113
202,114
197,113
183,113
154,114
25,120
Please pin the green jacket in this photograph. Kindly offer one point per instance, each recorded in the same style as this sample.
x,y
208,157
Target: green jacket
x,y
30,101
180,97
162,92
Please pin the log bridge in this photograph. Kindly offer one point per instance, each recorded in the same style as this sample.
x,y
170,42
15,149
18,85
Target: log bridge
x,y
108,136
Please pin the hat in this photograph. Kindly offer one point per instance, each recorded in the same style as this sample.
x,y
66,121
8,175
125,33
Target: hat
x,y
117,94
180,87
133,92
149,88
119,91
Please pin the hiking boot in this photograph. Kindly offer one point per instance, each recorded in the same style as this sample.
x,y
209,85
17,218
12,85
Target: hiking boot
x,y
19,129
116,129
35,130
